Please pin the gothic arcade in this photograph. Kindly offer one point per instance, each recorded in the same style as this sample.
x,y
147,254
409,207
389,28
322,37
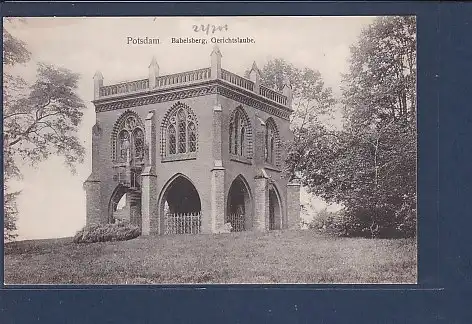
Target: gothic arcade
x,y
193,152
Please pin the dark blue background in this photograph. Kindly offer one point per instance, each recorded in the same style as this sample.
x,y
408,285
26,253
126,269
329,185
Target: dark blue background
x,y
445,198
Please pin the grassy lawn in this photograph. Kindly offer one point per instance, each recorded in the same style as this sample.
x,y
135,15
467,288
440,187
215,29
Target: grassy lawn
x,y
249,257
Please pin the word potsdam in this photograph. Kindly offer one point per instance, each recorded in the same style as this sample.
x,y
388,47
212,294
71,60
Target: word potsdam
x,y
142,41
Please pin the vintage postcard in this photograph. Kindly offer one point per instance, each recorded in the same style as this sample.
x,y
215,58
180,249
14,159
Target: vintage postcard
x,y
210,150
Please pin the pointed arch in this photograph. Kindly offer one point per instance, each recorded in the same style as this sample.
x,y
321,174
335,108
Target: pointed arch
x,y
131,211
276,208
179,206
239,205
170,180
179,125
129,121
115,197
240,133
272,143
243,180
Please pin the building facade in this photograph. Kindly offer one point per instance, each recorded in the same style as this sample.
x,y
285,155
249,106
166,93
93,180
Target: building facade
x,y
194,152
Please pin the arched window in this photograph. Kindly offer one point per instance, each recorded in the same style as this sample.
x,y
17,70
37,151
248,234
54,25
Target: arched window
x,y
236,129
179,131
138,137
192,137
241,144
240,134
123,144
128,139
271,143
230,137
171,141
182,125
266,145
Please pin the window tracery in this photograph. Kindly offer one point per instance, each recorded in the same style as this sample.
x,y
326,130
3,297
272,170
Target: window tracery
x,y
128,139
240,134
179,132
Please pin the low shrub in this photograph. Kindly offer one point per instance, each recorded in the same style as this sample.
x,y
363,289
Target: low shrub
x,y
379,223
405,221
120,231
326,221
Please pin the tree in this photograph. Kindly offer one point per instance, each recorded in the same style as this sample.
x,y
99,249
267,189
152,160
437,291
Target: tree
x,y
381,83
370,165
311,100
39,120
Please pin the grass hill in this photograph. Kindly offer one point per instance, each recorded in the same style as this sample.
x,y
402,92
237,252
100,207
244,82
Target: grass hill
x,y
288,256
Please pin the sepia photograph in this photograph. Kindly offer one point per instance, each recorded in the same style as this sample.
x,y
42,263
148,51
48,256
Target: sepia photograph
x,y
210,150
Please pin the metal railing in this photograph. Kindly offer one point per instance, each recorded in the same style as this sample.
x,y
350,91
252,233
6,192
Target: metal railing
x,y
183,223
272,222
237,222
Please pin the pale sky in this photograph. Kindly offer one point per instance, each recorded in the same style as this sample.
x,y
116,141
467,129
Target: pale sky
x,y
52,203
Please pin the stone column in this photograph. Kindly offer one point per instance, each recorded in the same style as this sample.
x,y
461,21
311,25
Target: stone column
x,y
259,142
135,215
293,204
149,180
149,222
261,203
97,84
216,63
92,185
287,92
261,192
217,198
217,174
93,203
255,76
153,73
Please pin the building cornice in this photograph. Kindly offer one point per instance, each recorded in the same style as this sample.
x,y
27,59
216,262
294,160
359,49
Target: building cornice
x,y
205,88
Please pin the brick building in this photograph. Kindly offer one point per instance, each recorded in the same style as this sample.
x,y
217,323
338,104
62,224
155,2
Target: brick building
x,y
192,152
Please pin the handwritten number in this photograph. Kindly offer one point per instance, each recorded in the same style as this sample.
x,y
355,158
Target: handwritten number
x,y
207,28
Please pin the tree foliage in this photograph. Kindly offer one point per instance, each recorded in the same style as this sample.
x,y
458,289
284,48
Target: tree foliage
x,y
14,50
45,122
381,83
311,101
39,120
370,165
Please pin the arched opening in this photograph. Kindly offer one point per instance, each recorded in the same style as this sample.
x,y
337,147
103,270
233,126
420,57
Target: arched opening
x,y
275,210
125,206
239,209
181,207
